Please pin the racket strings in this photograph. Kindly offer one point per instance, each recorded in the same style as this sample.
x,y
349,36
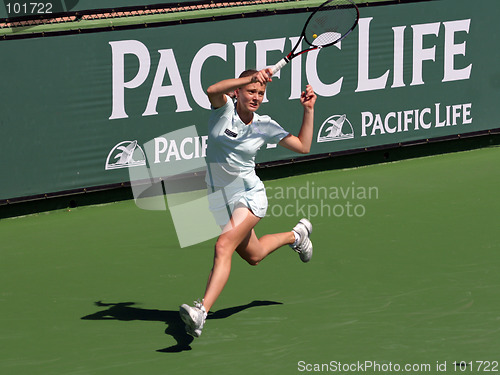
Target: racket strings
x,y
331,22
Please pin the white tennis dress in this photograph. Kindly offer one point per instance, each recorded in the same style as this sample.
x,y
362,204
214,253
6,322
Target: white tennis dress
x,y
231,149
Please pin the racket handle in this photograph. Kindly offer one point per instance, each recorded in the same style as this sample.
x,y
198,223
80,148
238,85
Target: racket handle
x,y
280,65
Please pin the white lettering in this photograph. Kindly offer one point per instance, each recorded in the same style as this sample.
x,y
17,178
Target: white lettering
x,y
189,148
215,49
364,82
167,81
421,32
119,50
264,46
399,46
457,112
321,88
167,63
184,154
408,119
467,119
239,57
204,140
366,122
452,49
388,129
439,124
415,119
423,124
160,141
296,73
173,151
378,125
421,54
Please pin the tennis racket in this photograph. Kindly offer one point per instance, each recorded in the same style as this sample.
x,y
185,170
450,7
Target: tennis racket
x,y
328,24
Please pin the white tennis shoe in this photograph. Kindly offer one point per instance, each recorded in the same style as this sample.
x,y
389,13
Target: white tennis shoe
x,y
193,317
303,245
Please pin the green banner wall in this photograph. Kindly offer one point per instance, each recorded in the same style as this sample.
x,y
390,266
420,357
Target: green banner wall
x,y
73,107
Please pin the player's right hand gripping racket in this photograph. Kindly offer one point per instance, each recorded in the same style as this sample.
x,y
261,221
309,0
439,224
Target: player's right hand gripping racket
x,y
328,24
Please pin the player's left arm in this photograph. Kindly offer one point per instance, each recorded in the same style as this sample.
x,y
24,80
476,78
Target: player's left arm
x,y
302,143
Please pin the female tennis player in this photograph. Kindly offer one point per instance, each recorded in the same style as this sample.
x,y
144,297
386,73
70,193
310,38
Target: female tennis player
x,y
237,196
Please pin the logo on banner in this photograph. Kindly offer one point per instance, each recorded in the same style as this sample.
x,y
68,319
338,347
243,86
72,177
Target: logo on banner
x,y
335,128
125,154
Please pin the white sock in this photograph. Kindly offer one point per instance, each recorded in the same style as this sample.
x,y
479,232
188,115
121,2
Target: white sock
x,y
297,238
202,308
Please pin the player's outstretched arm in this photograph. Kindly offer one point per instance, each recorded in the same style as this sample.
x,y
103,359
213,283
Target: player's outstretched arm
x,y
302,143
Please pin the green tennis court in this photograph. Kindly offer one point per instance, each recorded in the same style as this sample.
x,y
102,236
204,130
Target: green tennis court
x,y
406,271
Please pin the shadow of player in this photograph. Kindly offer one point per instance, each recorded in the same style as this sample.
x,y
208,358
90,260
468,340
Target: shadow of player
x,y
125,311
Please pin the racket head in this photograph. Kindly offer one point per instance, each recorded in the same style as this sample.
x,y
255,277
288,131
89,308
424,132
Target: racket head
x,y
331,22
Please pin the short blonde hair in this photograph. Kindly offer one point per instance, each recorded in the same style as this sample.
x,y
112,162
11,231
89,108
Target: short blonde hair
x,y
248,73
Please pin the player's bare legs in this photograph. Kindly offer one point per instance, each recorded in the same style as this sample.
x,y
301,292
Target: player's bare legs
x,y
254,249
239,236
